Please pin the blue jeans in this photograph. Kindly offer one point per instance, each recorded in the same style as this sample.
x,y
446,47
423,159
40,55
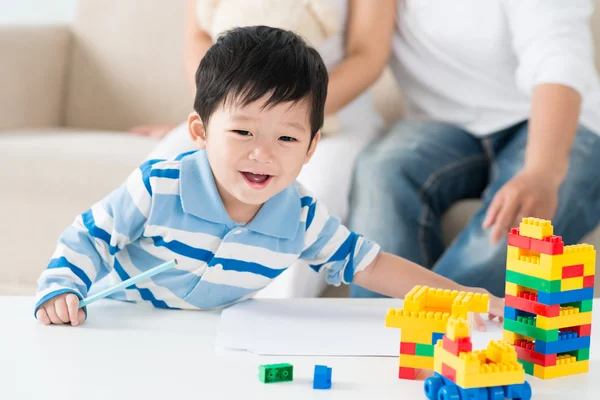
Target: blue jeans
x,y
406,181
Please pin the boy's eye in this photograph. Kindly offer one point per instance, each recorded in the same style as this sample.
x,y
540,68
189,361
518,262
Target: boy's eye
x,y
242,133
287,139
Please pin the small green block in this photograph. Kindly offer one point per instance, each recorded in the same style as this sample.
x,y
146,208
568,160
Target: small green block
x,y
527,366
424,350
533,282
581,354
526,326
271,373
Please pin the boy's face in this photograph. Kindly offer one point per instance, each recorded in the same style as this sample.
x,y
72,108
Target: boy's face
x,y
255,152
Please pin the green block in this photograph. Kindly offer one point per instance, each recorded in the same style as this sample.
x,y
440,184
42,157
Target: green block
x,y
533,282
584,306
581,354
527,366
526,326
271,373
424,350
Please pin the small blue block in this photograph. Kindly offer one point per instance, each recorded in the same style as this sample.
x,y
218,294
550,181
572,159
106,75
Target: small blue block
x,y
322,378
562,346
435,337
518,391
570,296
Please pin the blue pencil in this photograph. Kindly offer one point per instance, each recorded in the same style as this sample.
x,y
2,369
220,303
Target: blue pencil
x,y
131,281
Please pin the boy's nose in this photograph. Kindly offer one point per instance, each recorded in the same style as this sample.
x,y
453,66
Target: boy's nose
x,y
262,154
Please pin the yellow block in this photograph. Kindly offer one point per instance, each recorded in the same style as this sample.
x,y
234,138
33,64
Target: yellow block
x,y
513,289
534,266
472,370
580,254
511,337
412,336
535,228
422,321
563,321
424,298
422,362
457,328
571,283
562,368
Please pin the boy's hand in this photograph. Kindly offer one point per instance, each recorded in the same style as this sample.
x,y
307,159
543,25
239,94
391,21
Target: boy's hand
x,y
61,310
496,311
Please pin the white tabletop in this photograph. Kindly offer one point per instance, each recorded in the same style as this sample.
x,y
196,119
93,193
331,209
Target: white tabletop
x,y
127,351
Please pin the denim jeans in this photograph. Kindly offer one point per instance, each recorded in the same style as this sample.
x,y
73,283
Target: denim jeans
x,y
406,181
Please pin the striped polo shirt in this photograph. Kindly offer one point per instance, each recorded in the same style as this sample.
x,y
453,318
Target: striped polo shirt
x,y
171,209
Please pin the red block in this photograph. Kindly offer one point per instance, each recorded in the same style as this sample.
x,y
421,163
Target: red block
x,y
460,345
524,303
588,281
528,296
407,373
582,330
516,240
449,372
572,271
408,348
551,245
524,349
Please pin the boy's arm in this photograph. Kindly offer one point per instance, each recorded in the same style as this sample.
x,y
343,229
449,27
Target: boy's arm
x,y
86,249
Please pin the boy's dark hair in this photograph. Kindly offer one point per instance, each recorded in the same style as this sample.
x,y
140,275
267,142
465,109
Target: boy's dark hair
x,y
248,63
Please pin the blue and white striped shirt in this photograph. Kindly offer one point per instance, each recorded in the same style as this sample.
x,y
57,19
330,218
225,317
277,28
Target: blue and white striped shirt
x,y
171,209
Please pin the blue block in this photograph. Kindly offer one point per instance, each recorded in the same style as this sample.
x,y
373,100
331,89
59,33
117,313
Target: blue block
x,y
562,346
450,390
512,313
322,377
570,296
435,337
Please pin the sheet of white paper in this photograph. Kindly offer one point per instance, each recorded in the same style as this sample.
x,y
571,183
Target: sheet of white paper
x,y
313,327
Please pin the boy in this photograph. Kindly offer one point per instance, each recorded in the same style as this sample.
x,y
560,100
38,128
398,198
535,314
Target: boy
x,y
230,212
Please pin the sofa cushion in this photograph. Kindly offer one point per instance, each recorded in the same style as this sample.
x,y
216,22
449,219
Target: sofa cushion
x,y
51,176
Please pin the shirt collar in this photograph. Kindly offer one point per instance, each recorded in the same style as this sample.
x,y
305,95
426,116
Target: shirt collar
x,y
278,217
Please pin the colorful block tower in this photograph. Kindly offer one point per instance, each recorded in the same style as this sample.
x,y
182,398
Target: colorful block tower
x,y
423,322
548,301
460,372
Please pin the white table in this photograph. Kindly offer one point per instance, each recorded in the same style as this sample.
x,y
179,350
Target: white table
x,y
127,351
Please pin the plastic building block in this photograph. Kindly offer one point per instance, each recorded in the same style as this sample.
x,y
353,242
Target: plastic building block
x,y
572,271
435,336
580,254
526,326
449,373
570,296
551,245
533,282
584,306
271,373
570,317
424,350
408,348
419,337
420,362
581,354
456,329
533,266
513,313
516,240
528,302
564,344
571,283
514,289
525,351
535,228
588,281
322,377
423,298
582,330
565,365
440,387
457,346
423,321
407,373
527,366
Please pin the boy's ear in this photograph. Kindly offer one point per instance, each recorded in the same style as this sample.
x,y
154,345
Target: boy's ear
x,y
312,147
196,130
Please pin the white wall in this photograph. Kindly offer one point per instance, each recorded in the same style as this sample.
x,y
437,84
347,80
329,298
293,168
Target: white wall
x,y
20,12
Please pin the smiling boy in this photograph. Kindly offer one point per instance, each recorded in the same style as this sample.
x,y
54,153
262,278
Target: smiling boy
x,y
231,212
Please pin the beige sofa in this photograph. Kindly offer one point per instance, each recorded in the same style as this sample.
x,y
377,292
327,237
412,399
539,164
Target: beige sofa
x,y
66,96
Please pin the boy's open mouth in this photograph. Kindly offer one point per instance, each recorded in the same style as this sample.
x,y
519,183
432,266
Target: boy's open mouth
x,y
256,180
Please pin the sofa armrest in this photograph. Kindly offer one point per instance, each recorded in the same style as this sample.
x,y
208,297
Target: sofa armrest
x,y
33,75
